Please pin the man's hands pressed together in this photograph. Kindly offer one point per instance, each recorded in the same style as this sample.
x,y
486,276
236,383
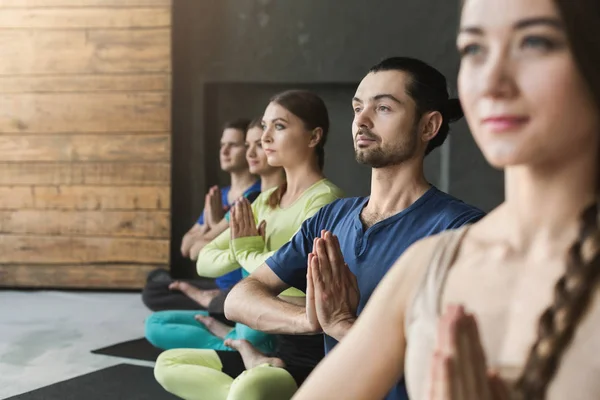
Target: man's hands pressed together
x,y
213,207
332,294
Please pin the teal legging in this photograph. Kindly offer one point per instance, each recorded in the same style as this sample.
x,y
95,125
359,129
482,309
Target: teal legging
x,y
178,329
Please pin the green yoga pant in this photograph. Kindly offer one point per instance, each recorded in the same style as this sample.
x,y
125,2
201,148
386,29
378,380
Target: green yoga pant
x,y
193,374
178,329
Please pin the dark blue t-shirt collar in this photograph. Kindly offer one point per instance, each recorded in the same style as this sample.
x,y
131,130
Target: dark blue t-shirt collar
x,y
394,218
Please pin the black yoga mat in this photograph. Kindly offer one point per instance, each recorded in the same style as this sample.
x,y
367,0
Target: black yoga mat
x,y
138,349
120,382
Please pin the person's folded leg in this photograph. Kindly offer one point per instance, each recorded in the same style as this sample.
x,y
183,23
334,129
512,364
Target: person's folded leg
x,y
193,374
264,342
179,329
263,382
209,375
157,296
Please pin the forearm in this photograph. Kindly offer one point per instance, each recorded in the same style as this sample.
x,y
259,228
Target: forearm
x,y
216,258
188,241
250,252
216,230
251,303
195,233
214,263
198,245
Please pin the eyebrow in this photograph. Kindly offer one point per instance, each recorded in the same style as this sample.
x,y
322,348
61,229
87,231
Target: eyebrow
x,y
279,119
230,142
379,97
548,21
522,24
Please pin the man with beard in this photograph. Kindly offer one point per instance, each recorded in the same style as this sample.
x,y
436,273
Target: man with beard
x,y
402,112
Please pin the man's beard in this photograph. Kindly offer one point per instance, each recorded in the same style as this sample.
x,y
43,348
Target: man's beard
x,y
232,167
384,157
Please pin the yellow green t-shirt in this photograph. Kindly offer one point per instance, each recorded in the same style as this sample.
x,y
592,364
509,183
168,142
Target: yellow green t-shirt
x,y
224,255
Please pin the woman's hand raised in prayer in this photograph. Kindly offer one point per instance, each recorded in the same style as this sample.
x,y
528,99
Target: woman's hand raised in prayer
x,y
459,370
242,223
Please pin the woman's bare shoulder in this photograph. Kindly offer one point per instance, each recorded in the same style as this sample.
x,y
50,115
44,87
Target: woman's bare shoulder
x,y
420,254
405,275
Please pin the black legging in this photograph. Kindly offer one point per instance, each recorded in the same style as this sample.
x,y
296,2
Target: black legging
x,y
157,296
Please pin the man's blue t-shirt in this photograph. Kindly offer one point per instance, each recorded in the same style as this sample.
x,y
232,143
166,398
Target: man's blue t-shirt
x,y
228,280
370,254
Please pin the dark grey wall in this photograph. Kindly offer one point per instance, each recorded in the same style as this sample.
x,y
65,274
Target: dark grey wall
x,y
230,56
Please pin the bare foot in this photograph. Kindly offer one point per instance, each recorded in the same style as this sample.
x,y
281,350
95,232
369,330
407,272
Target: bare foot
x,y
215,327
251,356
202,297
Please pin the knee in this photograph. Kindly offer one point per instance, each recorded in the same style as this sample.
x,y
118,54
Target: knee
x,y
148,299
263,341
152,295
263,382
170,364
152,329
146,296
163,369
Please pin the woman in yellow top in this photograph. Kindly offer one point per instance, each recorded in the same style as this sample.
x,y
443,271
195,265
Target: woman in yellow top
x,y
295,126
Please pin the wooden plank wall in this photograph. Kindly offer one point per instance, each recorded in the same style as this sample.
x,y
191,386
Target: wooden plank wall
x,y
84,142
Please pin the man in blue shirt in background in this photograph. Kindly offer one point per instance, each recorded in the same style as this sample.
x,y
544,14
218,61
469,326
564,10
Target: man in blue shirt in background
x,y
402,112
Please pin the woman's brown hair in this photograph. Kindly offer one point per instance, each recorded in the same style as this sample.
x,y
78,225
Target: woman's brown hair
x,y
255,123
575,289
312,111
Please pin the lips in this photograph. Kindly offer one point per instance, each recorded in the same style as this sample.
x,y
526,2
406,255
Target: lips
x,y
505,123
363,140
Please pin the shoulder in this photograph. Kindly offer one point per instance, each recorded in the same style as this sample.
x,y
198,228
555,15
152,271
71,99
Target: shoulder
x,y
262,200
264,196
253,191
321,193
413,264
403,281
267,193
453,209
342,205
326,187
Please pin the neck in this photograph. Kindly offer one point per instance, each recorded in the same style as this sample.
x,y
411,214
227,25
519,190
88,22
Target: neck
x,y
545,204
241,180
301,177
396,187
271,180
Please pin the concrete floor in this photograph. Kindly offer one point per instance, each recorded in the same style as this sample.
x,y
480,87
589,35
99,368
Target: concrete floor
x,y
47,336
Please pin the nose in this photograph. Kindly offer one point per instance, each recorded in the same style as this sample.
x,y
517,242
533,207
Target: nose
x,y
497,80
225,149
362,119
267,136
251,152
